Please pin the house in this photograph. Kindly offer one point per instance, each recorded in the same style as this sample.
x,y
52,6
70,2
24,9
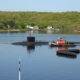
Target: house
x,y
35,28
49,27
32,27
29,27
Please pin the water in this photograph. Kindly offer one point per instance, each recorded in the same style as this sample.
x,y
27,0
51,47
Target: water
x,y
40,63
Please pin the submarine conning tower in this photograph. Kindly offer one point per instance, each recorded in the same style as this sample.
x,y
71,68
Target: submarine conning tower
x,y
31,39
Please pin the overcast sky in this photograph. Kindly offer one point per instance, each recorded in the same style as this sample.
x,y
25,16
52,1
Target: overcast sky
x,y
40,5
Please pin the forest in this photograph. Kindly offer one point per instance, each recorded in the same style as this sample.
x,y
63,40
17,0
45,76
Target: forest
x,y
19,20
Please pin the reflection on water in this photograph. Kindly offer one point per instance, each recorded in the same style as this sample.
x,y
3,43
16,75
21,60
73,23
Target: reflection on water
x,y
37,62
63,52
66,56
62,48
73,55
30,48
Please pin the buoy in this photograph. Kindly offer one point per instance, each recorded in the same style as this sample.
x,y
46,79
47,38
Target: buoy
x,y
19,67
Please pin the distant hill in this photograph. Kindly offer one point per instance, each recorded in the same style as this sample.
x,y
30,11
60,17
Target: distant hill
x,y
42,19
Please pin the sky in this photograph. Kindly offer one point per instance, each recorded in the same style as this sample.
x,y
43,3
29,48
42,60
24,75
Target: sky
x,y
40,5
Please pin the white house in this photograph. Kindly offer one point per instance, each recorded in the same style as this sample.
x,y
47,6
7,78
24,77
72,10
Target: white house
x,y
30,27
49,27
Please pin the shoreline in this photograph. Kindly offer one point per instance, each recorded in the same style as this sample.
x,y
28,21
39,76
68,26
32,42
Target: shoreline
x,y
13,30
26,30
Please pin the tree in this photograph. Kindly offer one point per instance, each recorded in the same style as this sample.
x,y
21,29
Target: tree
x,y
11,23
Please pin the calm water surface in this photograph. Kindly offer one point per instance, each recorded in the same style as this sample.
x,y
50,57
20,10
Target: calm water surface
x,y
40,63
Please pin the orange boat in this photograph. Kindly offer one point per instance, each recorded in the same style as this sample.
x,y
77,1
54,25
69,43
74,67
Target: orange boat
x,y
61,43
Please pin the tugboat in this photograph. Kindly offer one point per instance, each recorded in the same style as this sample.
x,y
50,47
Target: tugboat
x,y
61,43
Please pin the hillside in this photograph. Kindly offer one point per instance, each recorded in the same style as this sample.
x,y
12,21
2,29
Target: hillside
x,y
42,19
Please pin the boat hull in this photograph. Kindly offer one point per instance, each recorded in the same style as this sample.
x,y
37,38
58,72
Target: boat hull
x,y
61,45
